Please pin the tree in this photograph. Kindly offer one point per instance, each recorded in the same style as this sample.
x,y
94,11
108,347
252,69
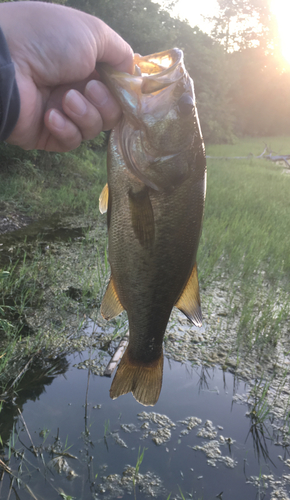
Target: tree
x,y
142,23
207,64
244,23
260,94
149,28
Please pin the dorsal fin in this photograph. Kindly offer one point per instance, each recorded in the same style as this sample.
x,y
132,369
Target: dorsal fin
x,y
189,301
103,199
111,305
144,381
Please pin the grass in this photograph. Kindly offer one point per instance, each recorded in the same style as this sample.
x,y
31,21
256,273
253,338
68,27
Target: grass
x,y
246,239
46,279
140,458
250,145
37,183
106,428
246,218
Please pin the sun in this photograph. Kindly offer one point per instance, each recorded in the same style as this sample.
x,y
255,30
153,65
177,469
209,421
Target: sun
x,y
281,9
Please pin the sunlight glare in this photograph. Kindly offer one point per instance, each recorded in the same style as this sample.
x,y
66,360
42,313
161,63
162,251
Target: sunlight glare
x,y
281,9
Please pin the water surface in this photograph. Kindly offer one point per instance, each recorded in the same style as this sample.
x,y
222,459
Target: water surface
x,y
73,413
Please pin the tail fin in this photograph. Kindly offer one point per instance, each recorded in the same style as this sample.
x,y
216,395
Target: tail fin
x,y
143,381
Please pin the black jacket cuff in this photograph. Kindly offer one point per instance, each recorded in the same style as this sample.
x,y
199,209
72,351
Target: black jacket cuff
x,y
9,94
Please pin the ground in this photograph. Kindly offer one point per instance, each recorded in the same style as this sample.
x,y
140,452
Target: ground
x,y
11,220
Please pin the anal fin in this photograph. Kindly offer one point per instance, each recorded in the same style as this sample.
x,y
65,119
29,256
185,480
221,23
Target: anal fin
x,y
144,381
189,300
111,305
104,199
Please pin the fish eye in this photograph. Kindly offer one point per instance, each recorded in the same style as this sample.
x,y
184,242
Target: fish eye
x,y
185,104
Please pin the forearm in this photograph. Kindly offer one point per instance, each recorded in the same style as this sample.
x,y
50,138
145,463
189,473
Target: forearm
x,y
9,95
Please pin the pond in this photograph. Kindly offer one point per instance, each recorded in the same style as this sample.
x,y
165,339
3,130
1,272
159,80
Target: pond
x,y
198,440
218,430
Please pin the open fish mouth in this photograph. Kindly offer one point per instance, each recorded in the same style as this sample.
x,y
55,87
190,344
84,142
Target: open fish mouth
x,y
159,70
152,73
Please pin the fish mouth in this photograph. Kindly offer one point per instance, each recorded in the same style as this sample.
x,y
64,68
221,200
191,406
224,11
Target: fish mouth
x,y
159,70
160,62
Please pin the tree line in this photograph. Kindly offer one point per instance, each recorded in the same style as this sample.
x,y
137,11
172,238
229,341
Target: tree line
x,y
240,85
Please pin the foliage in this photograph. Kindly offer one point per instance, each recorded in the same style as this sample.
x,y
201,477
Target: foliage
x,y
40,183
260,93
240,85
208,66
246,213
245,239
142,23
148,28
241,24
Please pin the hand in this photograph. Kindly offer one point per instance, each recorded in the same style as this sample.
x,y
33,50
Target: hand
x,y
55,50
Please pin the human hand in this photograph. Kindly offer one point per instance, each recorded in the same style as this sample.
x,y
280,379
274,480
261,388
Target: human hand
x,y
55,50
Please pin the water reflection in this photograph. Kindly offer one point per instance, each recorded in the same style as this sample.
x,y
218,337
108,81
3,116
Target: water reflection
x,y
196,437
29,384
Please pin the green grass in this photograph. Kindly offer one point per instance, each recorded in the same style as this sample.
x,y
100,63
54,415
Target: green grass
x,y
246,218
31,284
38,183
250,145
246,239
137,467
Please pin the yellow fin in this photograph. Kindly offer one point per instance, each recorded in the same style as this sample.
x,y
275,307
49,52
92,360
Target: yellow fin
x,y
142,217
103,199
144,381
189,301
111,305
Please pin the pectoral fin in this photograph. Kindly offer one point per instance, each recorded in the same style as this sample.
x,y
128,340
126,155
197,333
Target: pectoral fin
x,y
189,301
142,217
104,199
143,381
111,305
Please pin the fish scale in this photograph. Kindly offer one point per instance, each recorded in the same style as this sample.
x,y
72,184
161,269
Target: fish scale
x,y
155,200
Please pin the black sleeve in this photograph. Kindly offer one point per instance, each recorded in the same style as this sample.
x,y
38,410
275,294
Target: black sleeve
x,y
9,94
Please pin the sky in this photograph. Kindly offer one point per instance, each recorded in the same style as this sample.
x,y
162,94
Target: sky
x,y
193,10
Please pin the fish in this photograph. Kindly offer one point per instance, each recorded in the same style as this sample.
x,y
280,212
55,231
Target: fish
x,y
154,199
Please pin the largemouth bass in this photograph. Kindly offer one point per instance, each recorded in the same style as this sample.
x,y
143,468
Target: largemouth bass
x,y
154,201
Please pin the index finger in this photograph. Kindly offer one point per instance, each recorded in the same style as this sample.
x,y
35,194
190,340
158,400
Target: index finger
x,y
112,48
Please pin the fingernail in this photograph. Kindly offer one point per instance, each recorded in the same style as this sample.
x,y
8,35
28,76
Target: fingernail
x,y
96,93
56,119
74,101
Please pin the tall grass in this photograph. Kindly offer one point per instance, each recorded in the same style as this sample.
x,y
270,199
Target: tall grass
x,y
246,239
246,220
